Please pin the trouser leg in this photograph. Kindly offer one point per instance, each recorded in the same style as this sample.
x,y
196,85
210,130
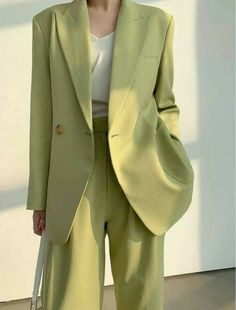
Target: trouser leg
x,y
73,275
136,254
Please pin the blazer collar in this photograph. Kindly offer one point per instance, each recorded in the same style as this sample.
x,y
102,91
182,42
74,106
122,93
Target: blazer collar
x,y
73,30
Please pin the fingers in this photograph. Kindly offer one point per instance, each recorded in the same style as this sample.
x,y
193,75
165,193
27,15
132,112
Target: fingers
x,y
39,222
42,223
38,230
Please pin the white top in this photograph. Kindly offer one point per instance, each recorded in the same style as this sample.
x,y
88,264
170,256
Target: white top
x,y
101,73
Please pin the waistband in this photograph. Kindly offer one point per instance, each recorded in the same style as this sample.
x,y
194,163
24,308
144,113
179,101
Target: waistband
x,y
100,124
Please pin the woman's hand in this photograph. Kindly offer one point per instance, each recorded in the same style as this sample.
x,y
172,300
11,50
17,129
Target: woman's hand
x,y
39,221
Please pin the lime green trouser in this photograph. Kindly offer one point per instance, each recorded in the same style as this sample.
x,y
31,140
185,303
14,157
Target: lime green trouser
x,y
73,275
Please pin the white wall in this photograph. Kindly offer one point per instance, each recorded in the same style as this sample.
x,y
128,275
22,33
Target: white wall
x,y
204,80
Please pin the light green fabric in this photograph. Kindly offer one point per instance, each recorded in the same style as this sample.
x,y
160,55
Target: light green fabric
x,y
73,276
148,156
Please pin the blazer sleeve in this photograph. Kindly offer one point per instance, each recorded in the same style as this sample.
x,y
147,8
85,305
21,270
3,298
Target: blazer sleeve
x,y
40,121
163,92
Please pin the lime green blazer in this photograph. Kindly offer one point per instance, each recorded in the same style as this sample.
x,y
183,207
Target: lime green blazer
x,y
149,159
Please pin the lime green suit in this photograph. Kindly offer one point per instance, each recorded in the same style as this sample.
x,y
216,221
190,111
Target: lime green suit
x,y
150,163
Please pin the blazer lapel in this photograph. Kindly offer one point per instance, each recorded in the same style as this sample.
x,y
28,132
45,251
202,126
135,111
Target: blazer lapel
x,y
73,29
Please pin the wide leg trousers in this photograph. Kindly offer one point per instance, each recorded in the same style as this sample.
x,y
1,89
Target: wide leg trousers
x,y
73,275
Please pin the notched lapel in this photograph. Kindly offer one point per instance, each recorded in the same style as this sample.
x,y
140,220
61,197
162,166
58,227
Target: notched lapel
x,y
74,36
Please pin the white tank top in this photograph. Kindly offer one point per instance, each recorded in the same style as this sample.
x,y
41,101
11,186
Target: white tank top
x,y
101,73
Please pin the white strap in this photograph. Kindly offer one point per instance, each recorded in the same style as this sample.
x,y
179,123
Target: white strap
x,y
38,272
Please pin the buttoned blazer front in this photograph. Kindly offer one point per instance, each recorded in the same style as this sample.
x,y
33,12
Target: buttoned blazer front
x,y
147,154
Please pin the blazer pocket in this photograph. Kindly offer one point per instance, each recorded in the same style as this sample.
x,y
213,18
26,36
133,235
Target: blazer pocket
x,y
150,59
150,56
172,155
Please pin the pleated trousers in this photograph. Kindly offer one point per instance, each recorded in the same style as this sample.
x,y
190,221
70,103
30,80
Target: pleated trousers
x,y
73,274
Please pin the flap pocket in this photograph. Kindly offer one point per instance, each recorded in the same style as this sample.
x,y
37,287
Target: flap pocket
x,y
150,56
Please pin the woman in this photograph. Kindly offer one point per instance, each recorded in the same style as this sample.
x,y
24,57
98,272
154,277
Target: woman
x,y
105,151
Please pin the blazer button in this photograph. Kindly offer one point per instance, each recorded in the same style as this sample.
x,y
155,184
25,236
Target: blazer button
x,y
60,129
